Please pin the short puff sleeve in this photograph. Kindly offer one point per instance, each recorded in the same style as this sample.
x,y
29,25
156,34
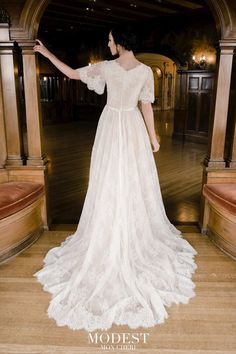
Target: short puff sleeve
x,y
147,93
94,76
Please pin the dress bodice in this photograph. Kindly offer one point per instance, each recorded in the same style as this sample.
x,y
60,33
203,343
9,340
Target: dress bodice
x,y
124,87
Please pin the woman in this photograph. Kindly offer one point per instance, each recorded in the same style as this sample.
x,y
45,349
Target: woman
x,y
126,261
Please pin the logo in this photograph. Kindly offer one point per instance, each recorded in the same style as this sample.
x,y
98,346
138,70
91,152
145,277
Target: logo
x,y
115,341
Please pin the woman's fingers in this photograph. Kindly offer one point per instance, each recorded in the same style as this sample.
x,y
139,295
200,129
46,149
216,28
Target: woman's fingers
x,y
37,48
156,148
41,49
39,41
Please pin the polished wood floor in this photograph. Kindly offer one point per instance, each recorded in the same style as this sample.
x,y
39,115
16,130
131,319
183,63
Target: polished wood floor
x,y
206,325
69,146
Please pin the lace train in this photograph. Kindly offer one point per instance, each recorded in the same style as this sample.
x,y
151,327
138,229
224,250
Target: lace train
x,y
138,302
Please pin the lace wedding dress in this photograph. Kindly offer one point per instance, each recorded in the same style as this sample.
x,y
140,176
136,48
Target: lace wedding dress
x,y
126,261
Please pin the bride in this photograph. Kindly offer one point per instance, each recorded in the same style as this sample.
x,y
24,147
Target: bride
x,y
126,262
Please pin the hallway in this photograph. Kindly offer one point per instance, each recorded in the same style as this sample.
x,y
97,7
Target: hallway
x,y
69,148
48,121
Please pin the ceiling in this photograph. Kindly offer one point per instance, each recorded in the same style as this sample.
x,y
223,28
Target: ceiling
x,y
78,29
89,15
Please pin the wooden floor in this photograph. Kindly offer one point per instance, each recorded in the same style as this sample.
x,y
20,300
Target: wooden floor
x,y
206,325
69,146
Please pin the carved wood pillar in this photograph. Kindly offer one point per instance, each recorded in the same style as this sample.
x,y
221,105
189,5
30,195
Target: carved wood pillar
x,y
3,145
10,105
215,156
231,161
231,125
36,156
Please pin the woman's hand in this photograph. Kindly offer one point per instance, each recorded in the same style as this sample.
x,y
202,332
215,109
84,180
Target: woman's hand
x,y
64,68
156,145
41,49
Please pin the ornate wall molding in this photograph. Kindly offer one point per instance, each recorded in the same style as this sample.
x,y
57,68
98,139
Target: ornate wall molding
x,y
225,17
224,12
29,20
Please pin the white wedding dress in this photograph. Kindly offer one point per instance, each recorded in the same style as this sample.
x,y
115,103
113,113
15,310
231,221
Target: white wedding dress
x,y
126,261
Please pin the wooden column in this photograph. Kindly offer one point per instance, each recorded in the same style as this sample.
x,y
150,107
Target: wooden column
x,y
36,156
173,87
4,36
231,162
3,145
215,156
10,97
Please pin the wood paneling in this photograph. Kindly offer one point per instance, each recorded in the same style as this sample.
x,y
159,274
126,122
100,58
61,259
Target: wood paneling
x,y
20,229
220,225
198,91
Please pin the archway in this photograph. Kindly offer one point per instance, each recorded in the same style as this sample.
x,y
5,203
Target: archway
x,y
164,70
26,32
32,12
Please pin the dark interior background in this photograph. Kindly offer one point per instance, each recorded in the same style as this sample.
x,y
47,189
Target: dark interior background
x,y
79,29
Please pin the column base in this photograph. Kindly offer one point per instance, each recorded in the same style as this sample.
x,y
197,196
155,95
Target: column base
x,y
37,161
231,163
214,163
15,161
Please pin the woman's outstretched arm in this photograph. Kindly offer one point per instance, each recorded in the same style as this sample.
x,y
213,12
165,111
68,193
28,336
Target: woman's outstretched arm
x,y
64,68
149,119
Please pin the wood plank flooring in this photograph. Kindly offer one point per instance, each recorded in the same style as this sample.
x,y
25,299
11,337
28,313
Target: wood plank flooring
x,y
69,146
206,325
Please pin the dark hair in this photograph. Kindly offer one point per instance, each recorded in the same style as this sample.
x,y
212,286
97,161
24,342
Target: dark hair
x,y
125,36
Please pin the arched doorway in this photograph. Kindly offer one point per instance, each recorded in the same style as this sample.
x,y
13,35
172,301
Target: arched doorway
x,y
164,71
28,26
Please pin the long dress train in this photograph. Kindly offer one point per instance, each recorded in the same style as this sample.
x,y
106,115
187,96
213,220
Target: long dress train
x,y
126,261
